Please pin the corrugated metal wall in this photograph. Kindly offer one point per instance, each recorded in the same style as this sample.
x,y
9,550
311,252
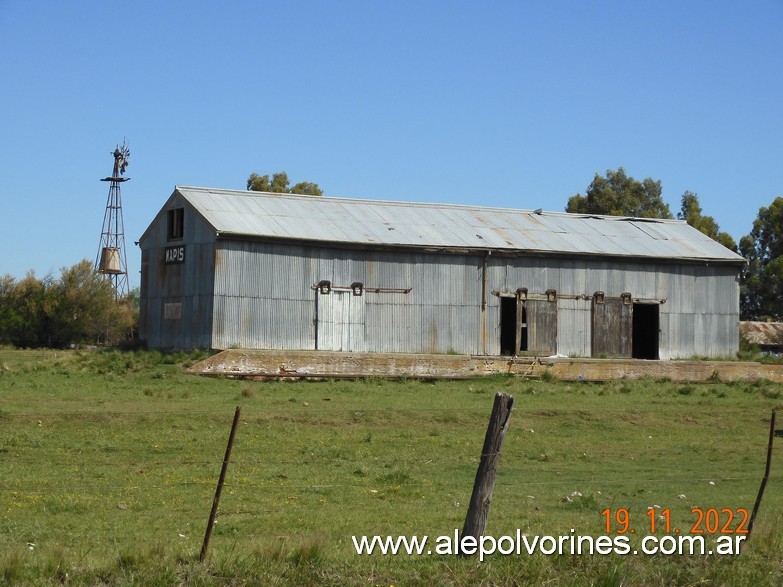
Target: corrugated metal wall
x,y
440,313
265,298
700,316
176,299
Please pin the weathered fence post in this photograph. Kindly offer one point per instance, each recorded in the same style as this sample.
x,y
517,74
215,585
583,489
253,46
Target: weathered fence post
x,y
219,488
766,473
478,510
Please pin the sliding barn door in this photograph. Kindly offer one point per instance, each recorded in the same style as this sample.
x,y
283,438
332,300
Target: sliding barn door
x,y
612,327
340,321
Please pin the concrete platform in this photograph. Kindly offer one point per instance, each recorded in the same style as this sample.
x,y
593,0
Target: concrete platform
x,y
262,364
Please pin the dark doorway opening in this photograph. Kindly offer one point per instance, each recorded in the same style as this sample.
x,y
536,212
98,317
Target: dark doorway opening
x,y
645,331
508,326
523,330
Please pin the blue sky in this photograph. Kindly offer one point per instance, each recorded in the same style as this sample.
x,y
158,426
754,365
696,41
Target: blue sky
x,y
514,104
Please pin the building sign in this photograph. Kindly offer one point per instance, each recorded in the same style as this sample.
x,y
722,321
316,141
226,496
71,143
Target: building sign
x,y
175,255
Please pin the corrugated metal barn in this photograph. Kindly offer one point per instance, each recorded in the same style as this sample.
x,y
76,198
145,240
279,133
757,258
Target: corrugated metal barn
x,y
224,268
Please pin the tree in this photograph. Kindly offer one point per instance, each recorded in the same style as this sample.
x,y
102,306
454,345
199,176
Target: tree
x,y
79,307
690,211
7,286
306,188
620,195
761,291
27,303
279,185
85,308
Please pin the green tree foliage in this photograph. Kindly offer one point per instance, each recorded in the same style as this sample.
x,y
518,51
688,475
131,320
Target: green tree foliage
x,y
77,308
24,307
690,211
279,184
306,188
761,292
617,194
7,286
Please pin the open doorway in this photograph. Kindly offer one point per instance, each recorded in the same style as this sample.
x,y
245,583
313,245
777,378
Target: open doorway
x,y
528,326
645,331
523,329
508,325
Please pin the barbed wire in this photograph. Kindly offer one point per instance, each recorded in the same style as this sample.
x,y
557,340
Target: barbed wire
x,y
464,484
509,459
477,410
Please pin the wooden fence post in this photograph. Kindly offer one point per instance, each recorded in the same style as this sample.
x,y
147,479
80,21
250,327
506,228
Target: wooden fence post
x,y
478,510
766,473
219,489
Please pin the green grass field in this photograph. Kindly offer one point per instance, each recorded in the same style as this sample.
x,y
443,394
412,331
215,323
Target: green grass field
x,y
109,462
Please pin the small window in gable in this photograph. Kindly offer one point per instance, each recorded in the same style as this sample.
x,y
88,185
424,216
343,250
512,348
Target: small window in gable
x,y
176,221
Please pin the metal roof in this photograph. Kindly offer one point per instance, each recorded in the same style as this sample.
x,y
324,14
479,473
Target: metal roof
x,y
448,226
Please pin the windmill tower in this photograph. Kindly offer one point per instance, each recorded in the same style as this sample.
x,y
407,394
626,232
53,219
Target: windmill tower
x,y
111,259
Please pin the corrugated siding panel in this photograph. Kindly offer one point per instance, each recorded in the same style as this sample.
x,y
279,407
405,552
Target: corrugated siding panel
x,y
252,323
573,327
389,325
572,281
264,297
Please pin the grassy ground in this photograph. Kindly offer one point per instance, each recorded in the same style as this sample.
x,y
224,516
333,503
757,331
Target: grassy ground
x,y
108,466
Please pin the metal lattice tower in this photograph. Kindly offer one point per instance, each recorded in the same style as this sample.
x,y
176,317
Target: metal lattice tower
x,y
111,259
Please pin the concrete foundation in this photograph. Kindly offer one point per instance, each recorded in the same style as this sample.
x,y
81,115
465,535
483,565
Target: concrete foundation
x,y
297,364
